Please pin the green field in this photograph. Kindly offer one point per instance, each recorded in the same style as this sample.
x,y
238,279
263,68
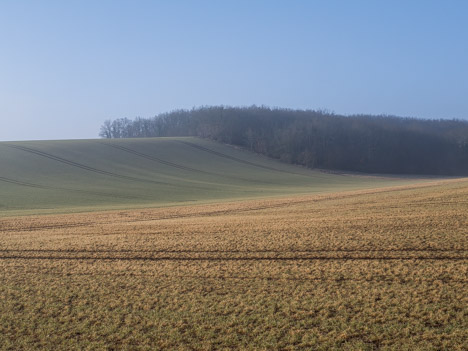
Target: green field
x,y
83,175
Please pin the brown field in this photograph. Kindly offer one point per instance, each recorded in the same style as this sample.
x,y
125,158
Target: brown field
x,y
382,269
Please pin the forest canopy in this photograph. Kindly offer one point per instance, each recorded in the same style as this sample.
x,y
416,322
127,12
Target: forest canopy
x,y
317,139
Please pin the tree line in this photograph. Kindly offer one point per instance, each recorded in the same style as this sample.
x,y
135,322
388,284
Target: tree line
x,y
317,139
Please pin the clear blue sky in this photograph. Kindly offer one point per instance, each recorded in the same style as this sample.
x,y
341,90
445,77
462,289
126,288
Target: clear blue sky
x,y
66,66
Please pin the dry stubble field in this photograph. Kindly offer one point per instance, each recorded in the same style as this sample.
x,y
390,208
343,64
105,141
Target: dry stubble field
x,y
363,270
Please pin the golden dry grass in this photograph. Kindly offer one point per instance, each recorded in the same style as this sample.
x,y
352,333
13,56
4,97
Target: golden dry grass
x,y
363,270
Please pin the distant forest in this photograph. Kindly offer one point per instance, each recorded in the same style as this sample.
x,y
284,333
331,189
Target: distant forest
x,y
317,139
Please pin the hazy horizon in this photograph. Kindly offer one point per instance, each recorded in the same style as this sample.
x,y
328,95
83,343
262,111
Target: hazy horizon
x,y
66,68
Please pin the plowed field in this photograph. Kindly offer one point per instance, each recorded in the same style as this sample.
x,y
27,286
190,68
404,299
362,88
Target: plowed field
x,y
374,269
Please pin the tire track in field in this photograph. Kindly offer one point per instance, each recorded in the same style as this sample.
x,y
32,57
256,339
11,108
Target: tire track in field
x,y
214,213
46,187
47,227
31,185
153,158
169,258
177,166
236,255
83,166
232,158
247,251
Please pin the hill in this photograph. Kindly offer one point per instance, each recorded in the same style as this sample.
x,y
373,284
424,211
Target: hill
x,y
318,139
81,175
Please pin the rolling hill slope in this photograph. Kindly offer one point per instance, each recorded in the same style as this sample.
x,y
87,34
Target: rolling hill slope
x,y
81,175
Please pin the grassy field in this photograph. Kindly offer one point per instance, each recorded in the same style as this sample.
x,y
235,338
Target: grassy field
x,y
84,175
382,269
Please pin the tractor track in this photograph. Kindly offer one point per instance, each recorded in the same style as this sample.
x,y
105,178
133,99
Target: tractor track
x,y
177,166
84,167
47,187
232,158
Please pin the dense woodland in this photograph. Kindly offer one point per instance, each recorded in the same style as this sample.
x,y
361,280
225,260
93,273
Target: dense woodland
x,y
317,139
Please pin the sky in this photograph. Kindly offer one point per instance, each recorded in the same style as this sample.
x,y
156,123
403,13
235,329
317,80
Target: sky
x,y
66,66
